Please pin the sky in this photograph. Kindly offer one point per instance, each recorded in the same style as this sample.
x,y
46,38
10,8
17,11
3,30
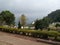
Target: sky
x,y
33,9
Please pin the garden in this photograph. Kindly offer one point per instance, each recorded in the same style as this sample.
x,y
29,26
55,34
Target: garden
x,y
43,34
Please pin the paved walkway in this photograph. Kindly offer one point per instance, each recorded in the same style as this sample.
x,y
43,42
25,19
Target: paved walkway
x,y
17,41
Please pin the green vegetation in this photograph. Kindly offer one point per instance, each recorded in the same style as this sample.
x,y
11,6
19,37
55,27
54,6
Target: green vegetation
x,y
43,23
51,18
55,16
19,25
57,25
7,18
34,33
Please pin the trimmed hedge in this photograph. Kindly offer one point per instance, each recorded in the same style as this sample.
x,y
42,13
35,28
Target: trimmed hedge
x,y
33,33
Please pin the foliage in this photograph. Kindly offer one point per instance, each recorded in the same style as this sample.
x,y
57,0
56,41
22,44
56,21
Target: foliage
x,y
43,23
57,25
55,16
7,17
19,25
37,24
34,33
53,33
23,19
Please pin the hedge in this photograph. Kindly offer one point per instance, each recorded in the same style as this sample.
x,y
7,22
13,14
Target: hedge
x,y
33,33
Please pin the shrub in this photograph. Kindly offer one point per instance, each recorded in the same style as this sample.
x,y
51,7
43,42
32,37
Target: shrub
x,y
34,33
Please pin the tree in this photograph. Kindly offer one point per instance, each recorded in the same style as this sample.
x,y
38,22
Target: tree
x,y
1,20
37,24
23,20
57,25
7,17
52,17
19,25
42,23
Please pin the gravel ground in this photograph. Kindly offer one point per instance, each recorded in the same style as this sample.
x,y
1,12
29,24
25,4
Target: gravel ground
x,y
10,39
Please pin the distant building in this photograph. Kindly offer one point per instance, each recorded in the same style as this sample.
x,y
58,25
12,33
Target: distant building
x,y
52,26
32,27
26,27
33,22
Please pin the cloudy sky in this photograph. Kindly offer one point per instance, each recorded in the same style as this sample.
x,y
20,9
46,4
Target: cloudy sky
x,y
33,9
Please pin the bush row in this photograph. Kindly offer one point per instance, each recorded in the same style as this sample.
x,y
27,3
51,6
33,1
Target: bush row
x,y
53,35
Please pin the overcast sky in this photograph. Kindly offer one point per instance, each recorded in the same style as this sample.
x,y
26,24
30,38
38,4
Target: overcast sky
x,y
33,9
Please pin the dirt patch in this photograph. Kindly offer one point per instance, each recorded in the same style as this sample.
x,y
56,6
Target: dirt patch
x,y
18,39
4,43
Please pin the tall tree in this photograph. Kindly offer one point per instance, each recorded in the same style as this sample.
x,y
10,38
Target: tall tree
x,y
7,17
23,20
19,25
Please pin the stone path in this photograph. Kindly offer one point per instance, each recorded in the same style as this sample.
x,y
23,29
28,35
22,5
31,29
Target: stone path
x,y
11,40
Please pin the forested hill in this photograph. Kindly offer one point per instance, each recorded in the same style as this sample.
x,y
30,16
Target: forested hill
x,y
51,18
55,16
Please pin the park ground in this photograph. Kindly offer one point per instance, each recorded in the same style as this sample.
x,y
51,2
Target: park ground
x,y
12,39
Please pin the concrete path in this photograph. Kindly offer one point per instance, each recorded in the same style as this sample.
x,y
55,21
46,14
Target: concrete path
x,y
17,41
